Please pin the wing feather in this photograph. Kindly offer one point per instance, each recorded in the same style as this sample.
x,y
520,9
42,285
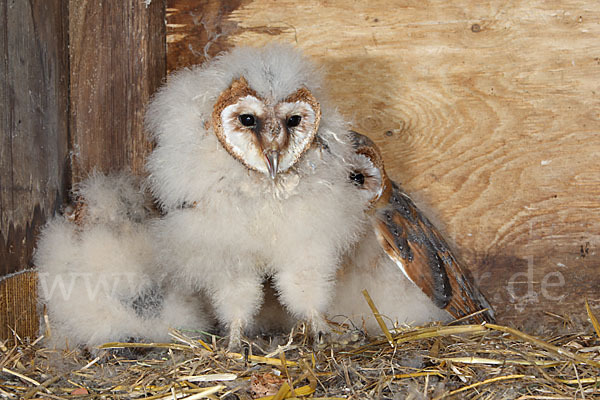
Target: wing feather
x,y
412,242
416,246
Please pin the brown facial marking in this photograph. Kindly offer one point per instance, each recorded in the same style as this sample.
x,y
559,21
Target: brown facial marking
x,y
371,151
285,135
258,127
303,94
372,154
239,88
272,131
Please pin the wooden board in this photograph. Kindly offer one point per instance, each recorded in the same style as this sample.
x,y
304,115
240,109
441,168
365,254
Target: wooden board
x,y
74,79
33,145
18,296
117,58
488,113
33,123
198,30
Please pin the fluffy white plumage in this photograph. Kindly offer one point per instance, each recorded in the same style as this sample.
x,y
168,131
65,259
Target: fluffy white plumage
x,y
253,171
399,301
227,227
96,274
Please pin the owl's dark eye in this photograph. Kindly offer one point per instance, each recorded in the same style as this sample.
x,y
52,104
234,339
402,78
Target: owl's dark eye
x,y
247,119
294,121
357,178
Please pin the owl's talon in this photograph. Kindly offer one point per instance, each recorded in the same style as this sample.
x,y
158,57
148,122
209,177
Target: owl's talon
x,y
322,340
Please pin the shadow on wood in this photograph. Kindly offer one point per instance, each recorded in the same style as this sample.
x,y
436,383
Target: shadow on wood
x,y
486,112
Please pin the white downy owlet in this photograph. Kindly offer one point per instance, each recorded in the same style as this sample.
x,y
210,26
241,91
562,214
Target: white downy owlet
x,y
96,272
251,169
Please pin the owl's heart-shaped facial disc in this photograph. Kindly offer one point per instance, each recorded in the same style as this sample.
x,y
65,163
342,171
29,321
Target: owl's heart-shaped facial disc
x,y
265,135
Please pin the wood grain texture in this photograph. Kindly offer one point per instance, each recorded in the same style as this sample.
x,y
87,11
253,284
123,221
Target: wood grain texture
x,y
18,295
487,113
33,145
117,59
198,30
33,123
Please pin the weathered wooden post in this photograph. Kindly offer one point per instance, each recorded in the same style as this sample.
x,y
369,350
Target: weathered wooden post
x,y
74,79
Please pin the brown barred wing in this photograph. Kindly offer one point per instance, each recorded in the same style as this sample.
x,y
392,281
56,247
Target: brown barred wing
x,y
421,253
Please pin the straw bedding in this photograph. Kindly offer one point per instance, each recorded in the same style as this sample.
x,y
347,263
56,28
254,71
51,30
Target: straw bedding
x,y
430,362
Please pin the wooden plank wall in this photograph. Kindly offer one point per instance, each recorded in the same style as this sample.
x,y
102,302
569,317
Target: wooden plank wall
x,y
33,144
34,93
487,112
117,59
74,81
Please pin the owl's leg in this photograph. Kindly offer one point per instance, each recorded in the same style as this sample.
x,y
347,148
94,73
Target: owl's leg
x,y
236,296
305,287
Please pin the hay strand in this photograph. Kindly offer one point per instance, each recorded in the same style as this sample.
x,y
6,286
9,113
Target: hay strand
x,y
378,318
547,346
485,382
592,318
454,361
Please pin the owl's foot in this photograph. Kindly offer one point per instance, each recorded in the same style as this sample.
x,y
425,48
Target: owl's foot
x,y
339,340
325,335
322,339
350,338
320,330
235,336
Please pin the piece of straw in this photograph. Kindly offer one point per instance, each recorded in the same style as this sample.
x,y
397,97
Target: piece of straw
x,y
377,315
592,318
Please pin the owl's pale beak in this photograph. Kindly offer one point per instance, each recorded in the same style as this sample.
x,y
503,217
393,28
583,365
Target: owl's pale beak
x,y
272,160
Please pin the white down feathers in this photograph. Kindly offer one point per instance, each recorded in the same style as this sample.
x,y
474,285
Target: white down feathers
x,y
226,228
96,276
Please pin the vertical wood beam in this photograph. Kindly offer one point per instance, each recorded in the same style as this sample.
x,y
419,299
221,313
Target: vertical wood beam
x,y
33,122
33,141
117,57
74,79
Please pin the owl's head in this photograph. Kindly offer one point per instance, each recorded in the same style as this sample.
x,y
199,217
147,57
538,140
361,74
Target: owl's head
x,y
367,172
263,132
245,119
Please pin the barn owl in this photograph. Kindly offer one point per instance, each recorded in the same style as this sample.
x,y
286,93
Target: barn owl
x,y
95,270
403,261
250,168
